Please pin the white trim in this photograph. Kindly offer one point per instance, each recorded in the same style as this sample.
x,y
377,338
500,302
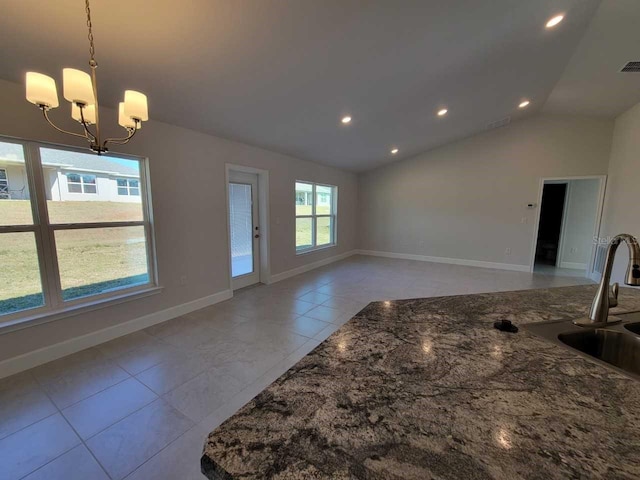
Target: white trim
x,y
573,265
310,266
452,261
49,353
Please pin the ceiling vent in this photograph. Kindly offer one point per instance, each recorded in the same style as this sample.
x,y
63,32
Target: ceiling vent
x,y
499,123
631,67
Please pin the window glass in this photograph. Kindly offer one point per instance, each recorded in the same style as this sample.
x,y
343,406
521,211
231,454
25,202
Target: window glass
x,y
304,198
323,231
98,260
96,190
20,285
324,200
304,234
15,204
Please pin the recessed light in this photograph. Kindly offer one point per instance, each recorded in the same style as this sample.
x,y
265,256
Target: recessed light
x,y
394,151
524,103
442,112
346,119
555,21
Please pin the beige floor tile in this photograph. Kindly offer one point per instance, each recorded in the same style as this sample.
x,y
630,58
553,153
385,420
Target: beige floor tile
x,y
113,404
314,297
179,461
125,446
76,464
31,448
203,394
326,314
22,402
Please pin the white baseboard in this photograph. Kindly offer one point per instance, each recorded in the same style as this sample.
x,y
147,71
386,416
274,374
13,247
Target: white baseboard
x,y
310,266
452,261
43,355
573,265
595,276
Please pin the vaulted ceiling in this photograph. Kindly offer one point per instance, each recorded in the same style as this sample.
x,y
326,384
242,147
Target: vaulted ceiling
x,y
281,73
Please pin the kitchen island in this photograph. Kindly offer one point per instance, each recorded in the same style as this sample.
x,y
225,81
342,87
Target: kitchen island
x,y
428,389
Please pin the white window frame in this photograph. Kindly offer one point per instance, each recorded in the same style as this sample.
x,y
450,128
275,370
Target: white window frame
x,y
55,307
82,183
314,216
128,187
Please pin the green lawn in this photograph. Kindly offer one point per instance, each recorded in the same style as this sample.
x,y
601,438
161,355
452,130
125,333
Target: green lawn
x,y
90,261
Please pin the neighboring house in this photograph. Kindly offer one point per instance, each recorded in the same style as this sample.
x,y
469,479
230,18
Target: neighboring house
x,y
72,176
304,196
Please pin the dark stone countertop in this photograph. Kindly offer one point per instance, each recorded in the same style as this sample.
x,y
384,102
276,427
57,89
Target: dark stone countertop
x,y
428,389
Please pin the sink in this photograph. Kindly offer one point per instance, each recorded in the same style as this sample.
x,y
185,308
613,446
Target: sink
x,y
619,349
633,327
616,346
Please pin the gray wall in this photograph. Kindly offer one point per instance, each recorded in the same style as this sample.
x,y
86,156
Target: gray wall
x,y
622,212
187,175
467,200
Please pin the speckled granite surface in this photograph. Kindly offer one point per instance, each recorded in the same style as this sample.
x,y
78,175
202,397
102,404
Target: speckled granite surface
x,y
427,389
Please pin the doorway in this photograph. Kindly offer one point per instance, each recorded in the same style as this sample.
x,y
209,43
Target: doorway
x,y
550,227
244,229
569,219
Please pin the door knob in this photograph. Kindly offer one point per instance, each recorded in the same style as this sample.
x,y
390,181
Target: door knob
x,y
256,236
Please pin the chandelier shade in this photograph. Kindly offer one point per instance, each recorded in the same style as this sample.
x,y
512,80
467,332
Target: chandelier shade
x,y
41,90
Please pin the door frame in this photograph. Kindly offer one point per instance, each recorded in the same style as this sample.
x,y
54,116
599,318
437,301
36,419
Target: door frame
x,y
263,219
599,210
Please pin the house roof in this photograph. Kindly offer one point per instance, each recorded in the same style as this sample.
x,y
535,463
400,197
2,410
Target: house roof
x,y
69,160
89,162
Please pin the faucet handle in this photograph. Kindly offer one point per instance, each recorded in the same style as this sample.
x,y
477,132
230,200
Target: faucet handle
x,y
615,289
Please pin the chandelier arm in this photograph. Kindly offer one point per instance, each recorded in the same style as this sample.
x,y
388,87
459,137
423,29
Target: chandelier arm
x,y
46,116
89,133
122,140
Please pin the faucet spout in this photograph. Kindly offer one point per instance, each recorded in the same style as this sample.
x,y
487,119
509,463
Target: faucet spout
x,y
599,313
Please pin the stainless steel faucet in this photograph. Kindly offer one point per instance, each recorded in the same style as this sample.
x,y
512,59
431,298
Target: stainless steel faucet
x,y
599,313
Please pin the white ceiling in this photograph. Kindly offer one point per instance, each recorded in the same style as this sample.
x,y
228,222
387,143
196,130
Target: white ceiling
x,y
281,73
592,83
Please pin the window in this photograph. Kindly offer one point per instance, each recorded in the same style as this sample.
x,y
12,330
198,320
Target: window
x,y
60,251
81,183
315,216
128,186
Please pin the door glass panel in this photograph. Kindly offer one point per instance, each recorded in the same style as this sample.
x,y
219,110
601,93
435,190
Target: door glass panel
x,y
323,231
99,260
15,205
20,285
84,187
304,237
241,226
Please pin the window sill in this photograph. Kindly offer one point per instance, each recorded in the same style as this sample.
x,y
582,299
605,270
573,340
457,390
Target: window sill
x,y
316,249
76,309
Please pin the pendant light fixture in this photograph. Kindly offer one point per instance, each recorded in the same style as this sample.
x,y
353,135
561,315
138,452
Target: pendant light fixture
x,y
81,89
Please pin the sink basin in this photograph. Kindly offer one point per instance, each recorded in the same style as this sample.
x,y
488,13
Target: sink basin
x,y
619,349
616,346
633,327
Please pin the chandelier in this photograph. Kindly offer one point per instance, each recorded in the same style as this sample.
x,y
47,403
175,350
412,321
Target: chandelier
x,y
82,91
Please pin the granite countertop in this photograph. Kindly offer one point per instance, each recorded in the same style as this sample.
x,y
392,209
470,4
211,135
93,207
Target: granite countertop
x,y
428,389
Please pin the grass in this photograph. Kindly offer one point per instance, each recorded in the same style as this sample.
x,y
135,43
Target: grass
x,y
304,227
90,261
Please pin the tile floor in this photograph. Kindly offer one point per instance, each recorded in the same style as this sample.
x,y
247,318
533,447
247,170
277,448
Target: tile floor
x,y
139,407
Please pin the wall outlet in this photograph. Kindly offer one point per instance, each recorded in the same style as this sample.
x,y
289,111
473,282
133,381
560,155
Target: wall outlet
x,y
507,251
182,280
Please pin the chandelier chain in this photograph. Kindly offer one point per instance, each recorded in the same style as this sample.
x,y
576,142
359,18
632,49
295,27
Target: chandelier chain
x,y
92,48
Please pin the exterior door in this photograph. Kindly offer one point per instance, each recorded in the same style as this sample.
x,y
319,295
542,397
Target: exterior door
x,y
244,230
